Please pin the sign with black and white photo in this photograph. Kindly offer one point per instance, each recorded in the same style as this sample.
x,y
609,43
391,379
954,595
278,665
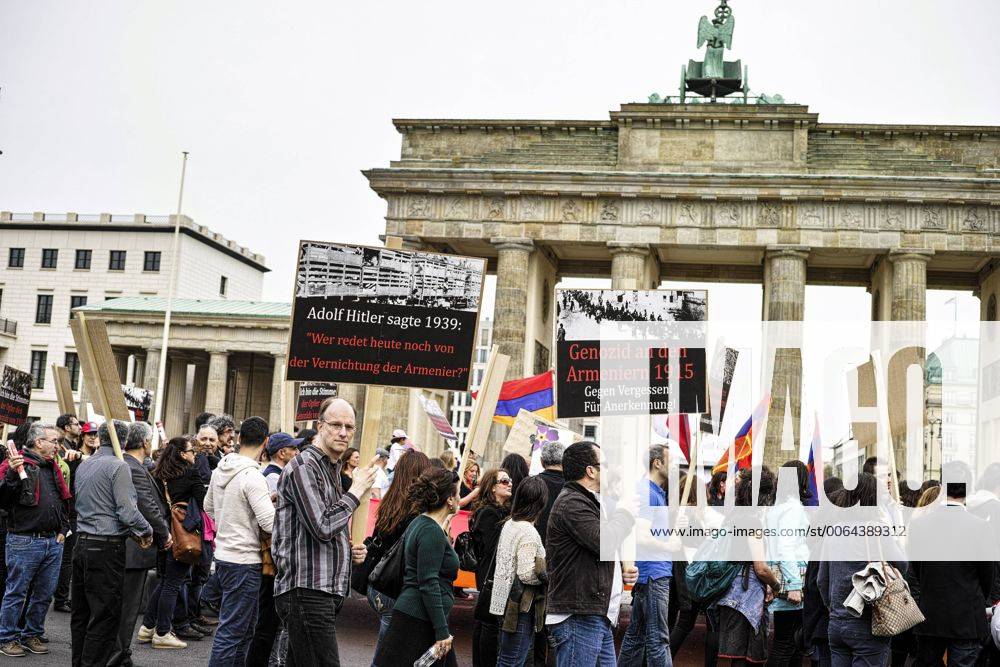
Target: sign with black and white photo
x,y
381,316
15,395
139,402
581,385
311,396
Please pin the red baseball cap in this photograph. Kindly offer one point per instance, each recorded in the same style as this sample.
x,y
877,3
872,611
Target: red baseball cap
x,y
88,427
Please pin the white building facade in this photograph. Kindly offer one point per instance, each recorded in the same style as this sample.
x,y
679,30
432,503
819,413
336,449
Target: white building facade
x,y
52,263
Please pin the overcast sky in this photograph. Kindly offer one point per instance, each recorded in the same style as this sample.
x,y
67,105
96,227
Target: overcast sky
x,y
283,104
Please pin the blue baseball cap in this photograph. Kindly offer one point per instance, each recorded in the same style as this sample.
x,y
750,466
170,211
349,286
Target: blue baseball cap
x,y
280,441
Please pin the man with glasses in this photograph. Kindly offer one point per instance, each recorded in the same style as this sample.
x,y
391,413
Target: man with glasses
x,y
37,522
585,593
311,544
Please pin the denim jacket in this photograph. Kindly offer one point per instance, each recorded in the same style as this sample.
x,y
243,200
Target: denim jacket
x,y
746,595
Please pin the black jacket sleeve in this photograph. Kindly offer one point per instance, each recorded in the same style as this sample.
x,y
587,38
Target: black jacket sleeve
x,y
149,504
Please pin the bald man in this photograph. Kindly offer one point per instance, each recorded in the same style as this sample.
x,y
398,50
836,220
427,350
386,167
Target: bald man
x,y
311,545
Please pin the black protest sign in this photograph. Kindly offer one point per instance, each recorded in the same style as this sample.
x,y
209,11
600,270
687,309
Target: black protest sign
x,y
380,316
311,396
15,395
627,384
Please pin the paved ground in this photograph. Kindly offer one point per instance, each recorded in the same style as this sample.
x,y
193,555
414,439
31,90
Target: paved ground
x,y
357,629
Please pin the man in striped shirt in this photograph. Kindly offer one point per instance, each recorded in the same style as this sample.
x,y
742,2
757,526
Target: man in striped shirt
x,y
311,544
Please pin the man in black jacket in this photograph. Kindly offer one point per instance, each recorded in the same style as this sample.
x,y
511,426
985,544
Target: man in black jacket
x,y
139,561
552,455
38,521
585,593
951,594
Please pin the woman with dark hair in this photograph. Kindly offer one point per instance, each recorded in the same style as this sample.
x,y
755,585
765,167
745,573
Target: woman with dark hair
x,y
489,511
351,459
850,635
395,512
420,616
717,489
743,608
179,478
517,468
519,575
789,558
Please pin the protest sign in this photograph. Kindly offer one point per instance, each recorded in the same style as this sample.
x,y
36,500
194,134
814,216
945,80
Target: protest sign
x,y
139,401
311,396
382,316
15,395
100,373
64,389
529,433
580,386
438,419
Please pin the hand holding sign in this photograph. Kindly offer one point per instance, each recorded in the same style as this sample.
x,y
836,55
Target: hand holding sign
x,y
15,460
363,480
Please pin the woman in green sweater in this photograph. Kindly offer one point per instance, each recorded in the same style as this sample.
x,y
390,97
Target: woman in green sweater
x,y
420,617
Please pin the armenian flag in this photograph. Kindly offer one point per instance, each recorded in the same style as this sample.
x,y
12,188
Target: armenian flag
x,y
744,440
533,394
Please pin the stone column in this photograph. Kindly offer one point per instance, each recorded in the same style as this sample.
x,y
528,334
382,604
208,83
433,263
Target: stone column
x,y
510,311
121,364
629,266
510,319
277,383
395,414
355,395
215,386
784,300
909,284
151,368
198,392
173,420
785,283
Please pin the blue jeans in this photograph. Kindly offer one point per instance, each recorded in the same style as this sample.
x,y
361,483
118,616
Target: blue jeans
x,y
31,562
516,646
852,644
584,640
163,600
648,633
237,613
382,605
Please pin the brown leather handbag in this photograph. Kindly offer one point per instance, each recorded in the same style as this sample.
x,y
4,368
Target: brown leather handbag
x,y
266,559
186,545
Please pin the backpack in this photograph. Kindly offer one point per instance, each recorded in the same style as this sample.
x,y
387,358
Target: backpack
x,y
707,577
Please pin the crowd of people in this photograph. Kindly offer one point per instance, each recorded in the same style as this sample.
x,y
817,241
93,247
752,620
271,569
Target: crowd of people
x,y
241,536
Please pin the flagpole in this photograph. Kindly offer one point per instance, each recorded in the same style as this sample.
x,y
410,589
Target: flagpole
x,y
161,374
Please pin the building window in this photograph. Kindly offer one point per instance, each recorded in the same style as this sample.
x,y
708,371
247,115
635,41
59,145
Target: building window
x,y
50,258
589,431
16,258
73,366
38,358
116,260
151,261
83,259
223,285
75,301
43,309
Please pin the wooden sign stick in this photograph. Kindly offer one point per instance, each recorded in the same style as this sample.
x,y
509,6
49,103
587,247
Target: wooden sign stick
x,y
371,424
692,467
64,390
484,406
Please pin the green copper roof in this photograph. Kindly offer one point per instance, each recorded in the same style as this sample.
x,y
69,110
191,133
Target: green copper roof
x,y
215,307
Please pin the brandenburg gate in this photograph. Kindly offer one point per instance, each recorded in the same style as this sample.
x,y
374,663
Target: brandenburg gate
x,y
751,191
